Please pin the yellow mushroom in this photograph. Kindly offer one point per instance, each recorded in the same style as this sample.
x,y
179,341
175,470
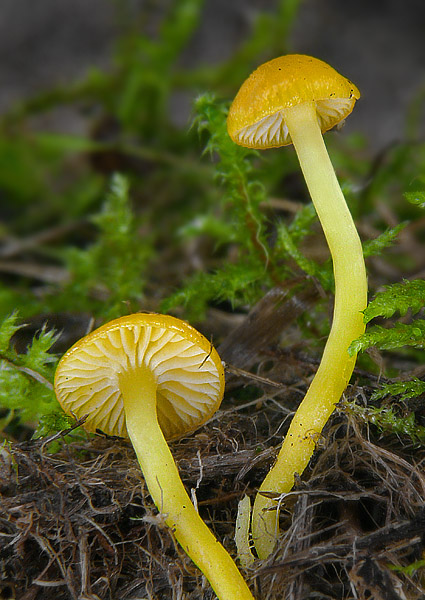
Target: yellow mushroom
x,y
147,376
293,99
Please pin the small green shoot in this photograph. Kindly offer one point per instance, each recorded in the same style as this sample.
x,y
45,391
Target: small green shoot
x,y
399,297
409,570
26,380
404,390
405,298
112,271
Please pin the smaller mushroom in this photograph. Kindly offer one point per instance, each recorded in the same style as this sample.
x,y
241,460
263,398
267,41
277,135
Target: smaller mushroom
x,y
147,376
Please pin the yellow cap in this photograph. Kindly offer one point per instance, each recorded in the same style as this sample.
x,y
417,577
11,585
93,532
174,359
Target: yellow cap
x,y
187,369
255,119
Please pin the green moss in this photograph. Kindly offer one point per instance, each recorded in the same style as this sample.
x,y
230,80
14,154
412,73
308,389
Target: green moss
x,y
138,213
108,276
26,379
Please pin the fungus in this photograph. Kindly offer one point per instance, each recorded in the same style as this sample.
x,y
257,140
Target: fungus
x,y
293,99
151,377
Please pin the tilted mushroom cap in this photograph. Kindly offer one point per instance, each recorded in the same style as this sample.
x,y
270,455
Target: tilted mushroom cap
x,y
255,119
187,369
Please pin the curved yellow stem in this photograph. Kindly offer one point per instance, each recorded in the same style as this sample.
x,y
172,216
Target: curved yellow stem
x,y
336,365
168,493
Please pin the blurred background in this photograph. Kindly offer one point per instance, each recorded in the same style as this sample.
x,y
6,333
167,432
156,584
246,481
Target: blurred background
x,y
141,88
380,45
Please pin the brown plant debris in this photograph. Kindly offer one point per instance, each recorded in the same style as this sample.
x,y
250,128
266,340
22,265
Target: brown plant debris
x,y
79,524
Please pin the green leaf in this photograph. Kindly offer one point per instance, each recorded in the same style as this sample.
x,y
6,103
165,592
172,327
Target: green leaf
x,y
286,242
7,329
302,223
389,421
114,266
37,356
401,297
238,284
399,335
417,198
26,379
409,570
403,389
208,225
383,241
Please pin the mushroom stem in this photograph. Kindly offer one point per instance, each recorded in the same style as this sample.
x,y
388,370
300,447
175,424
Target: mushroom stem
x,y
336,365
167,490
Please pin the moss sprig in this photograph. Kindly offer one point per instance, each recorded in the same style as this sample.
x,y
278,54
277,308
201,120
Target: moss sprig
x,y
385,240
407,298
400,297
243,193
390,420
111,272
26,379
401,334
404,390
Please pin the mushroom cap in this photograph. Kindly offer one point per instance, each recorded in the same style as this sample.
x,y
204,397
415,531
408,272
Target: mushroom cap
x,y
187,369
255,119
